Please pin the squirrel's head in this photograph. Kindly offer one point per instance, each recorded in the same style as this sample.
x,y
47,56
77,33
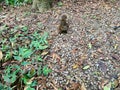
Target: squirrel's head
x,y
64,17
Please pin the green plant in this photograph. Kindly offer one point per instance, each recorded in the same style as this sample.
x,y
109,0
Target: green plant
x,y
22,53
43,70
17,2
60,4
5,87
8,55
28,80
14,47
39,42
46,70
11,72
25,29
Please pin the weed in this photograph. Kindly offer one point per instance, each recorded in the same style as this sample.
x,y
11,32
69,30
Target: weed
x,y
46,70
27,55
17,2
22,53
60,4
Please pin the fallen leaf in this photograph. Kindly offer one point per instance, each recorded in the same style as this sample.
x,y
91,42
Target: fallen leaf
x,y
75,66
104,82
106,88
75,86
55,56
114,82
115,56
115,46
111,84
89,45
83,57
44,53
99,50
86,67
83,87
74,50
1,55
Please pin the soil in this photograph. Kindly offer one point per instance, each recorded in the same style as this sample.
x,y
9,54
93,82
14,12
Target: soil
x,y
88,56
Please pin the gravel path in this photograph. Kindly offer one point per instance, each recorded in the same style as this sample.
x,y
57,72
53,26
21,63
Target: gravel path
x,y
91,43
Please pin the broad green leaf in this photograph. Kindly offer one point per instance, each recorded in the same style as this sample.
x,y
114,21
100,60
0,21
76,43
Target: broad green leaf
x,y
24,63
17,58
46,70
27,53
25,79
34,83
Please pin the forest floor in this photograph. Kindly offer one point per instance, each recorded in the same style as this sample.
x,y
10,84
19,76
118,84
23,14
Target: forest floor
x,y
88,56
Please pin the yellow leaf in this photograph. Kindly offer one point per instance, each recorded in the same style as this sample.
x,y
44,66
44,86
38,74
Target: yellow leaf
x,y
115,46
44,53
75,66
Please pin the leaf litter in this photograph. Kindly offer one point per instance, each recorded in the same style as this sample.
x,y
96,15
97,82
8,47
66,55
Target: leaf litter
x,y
91,44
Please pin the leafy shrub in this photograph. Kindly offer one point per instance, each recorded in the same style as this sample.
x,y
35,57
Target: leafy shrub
x,y
17,2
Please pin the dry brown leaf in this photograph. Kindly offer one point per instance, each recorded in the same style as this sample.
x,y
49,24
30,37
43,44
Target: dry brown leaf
x,y
74,50
1,55
55,88
83,57
75,86
104,82
83,87
55,56
99,50
115,56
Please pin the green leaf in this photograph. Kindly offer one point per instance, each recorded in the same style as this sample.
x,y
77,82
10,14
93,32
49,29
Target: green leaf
x,y
106,88
38,58
17,58
46,70
34,83
27,53
22,53
10,78
89,45
31,73
30,88
39,71
25,79
24,63
43,47
86,67
25,28
60,4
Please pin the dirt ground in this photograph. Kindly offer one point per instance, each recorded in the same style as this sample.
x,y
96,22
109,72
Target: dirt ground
x,y
88,56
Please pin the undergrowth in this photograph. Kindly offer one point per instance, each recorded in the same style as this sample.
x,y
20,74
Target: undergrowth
x,y
22,58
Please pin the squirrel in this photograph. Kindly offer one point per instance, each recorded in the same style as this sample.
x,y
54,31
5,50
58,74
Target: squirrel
x,y
63,28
